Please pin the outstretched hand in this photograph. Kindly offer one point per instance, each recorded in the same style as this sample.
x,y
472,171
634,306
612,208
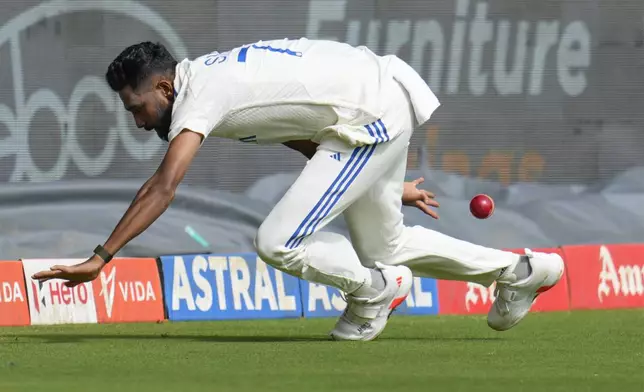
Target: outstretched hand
x,y
419,198
73,274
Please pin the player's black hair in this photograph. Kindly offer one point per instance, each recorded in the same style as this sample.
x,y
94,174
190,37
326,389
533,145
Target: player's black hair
x,y
137,62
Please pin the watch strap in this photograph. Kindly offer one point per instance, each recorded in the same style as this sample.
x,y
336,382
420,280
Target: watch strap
x,y
103,254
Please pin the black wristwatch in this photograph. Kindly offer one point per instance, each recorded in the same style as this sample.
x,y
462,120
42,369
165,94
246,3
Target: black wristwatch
x,y
103,254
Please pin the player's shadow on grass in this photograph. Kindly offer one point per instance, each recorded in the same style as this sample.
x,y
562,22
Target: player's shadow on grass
x,y
79,338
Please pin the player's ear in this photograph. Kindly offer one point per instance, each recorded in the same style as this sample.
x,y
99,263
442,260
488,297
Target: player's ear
x,y
166,88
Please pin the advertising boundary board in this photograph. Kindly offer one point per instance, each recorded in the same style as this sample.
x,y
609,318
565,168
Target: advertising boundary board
x,y
227,287
606,276
14,304
609,276
129,290
52,302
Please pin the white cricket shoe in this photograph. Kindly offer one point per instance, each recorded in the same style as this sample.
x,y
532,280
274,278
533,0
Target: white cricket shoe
x,y
515,297
366,318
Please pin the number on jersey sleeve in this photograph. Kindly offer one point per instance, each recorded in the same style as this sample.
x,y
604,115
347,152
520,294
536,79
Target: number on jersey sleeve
x,y
243,53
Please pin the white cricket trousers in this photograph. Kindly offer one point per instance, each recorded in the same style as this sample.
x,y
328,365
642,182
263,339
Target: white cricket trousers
x,y
365,184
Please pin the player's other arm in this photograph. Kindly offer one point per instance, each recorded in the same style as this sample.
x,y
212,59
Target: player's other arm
x,y
150,202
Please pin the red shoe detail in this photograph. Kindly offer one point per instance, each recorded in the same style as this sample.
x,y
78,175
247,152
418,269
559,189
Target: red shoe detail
x,y
396,302
399,280
543,289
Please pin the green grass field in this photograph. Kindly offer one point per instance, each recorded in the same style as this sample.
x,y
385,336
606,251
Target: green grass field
x,y
579,351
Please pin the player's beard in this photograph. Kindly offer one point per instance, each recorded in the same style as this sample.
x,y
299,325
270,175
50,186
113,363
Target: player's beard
x,y
165,118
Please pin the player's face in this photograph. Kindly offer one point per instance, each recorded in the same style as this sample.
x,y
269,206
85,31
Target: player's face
x,y
150,105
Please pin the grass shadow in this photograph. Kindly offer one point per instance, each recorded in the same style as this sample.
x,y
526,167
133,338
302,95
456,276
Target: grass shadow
x,y
79,338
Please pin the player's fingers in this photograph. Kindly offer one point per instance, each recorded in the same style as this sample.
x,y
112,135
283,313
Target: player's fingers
x,y
43,280
66,272
55,272
417,181
45,275
425,208
428,198
432,213
428,194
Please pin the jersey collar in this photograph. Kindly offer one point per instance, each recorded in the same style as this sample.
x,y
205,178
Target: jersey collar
x,y
180,75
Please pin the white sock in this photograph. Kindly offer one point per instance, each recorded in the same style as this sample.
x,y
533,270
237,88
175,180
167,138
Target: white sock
x,y
519,270
372,287
523,268
377,279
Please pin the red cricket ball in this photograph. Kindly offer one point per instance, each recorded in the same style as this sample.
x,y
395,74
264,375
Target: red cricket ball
x,y
482,206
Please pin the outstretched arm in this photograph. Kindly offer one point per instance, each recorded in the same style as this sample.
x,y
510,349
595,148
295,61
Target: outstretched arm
x,y
157,193
150,202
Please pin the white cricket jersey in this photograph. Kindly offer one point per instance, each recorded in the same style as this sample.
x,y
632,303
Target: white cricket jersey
x,y
281,90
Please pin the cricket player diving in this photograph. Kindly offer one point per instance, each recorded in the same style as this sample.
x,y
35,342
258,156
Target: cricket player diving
x,y
352,113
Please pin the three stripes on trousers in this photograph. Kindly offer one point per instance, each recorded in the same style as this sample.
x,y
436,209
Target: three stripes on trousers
x,y
351,169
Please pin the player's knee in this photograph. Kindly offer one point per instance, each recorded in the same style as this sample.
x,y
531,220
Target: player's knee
x,y
264,248
272,249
